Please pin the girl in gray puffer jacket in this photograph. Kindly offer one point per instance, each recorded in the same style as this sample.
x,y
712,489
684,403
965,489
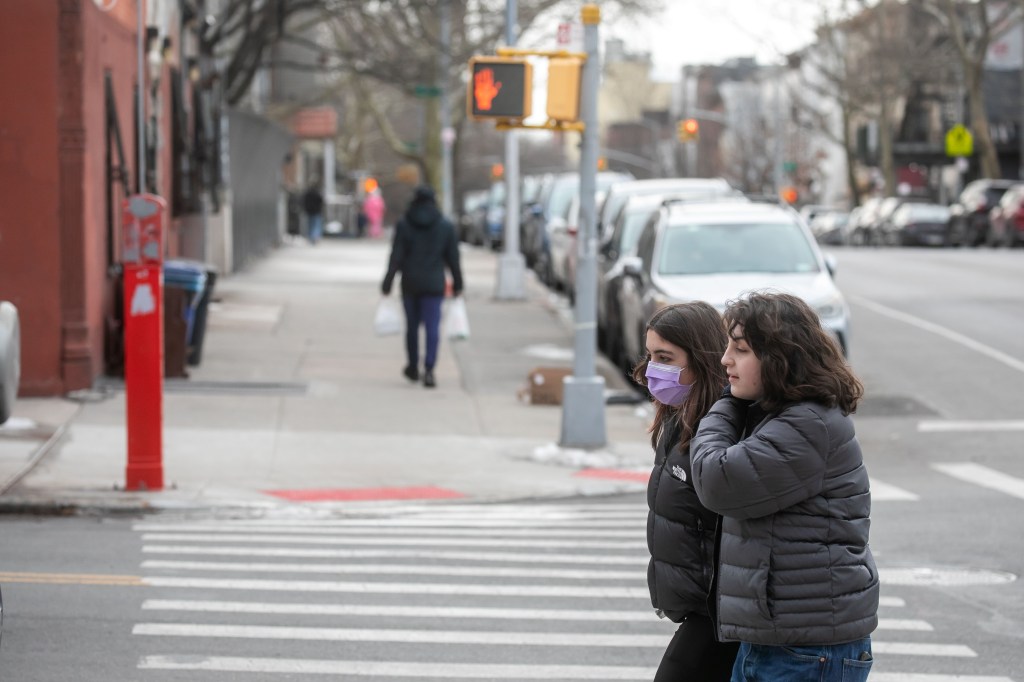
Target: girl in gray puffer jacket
x,y
777,457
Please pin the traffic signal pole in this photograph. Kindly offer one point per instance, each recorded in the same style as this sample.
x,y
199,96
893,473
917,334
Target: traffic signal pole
x,y
511,283
583,419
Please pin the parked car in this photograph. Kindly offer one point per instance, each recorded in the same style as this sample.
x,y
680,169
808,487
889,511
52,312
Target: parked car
x,y
688,187
1006,219
862,227
715,252
562,242
493,232
10,358
830,227
920,224
968,222
471,217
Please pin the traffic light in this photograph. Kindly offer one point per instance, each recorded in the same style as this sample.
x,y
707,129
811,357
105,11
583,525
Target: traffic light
x,y
499,88
688,130
564,89
789,195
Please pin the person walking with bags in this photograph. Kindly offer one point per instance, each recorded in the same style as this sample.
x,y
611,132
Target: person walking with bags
x,y
424,244
683,374
778,458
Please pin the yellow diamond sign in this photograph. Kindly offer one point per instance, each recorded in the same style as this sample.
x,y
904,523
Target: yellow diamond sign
x,y
959,141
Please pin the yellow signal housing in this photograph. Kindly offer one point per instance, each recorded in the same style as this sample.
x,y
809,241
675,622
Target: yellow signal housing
x,y
564,76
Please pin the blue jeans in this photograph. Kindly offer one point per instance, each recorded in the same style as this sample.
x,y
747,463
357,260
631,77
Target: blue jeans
x,y
425,310
849,662
316,228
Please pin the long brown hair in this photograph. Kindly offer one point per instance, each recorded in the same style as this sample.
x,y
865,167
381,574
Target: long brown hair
x,y
799,359
698,329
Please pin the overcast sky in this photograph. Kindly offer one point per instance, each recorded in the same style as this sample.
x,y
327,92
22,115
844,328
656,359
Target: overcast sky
x,y
712,31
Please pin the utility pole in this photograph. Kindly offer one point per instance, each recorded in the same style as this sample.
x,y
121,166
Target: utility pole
x,y
511,284
447,132
140,109
583,422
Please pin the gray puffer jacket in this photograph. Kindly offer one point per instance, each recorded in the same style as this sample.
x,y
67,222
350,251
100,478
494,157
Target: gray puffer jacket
x,y
794,566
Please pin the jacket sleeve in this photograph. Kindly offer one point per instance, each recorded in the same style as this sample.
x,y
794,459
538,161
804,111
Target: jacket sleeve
x,y
451,258
779,466
397,256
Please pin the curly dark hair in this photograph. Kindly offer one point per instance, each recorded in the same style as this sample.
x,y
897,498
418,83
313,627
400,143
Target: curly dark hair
x,y
799,359
698,329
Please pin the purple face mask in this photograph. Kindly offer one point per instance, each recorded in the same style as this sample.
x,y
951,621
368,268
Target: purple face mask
x,y
663,383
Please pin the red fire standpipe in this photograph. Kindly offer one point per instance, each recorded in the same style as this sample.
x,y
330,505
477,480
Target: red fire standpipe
x,y
142,256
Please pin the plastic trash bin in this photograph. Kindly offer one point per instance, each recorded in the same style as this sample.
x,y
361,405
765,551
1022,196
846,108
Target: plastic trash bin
x,y
195,351
189,276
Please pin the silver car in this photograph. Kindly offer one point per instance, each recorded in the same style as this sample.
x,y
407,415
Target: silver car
x,y
715,252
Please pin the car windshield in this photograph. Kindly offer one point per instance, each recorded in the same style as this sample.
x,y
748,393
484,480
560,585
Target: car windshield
x,y
561,196
696,249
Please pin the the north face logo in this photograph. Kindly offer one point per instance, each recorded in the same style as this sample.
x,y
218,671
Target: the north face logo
x,y
678,472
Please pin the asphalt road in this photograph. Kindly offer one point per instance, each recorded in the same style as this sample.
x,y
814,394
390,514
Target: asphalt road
x,y
939,341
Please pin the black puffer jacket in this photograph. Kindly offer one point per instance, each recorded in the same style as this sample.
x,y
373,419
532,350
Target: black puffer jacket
x,y
794,566
424,243
680,534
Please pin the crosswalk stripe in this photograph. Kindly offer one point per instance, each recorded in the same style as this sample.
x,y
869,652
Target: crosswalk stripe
x,y
970,426
915,649
528,525
391,541
383,610
294,552
501,638
884,492
636,529
983,476
568,591
444,671
397,569
892,602
921,677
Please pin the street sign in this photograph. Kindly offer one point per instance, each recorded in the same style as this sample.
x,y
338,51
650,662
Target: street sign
x,y
959,141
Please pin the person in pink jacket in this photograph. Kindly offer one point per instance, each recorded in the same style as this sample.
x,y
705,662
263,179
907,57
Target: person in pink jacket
x,y
373,207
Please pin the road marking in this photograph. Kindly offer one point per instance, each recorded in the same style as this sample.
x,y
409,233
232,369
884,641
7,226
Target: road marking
x,y
403,588
364,494
503,638
883,492
444,671
908,624
72,579
382,610
915,649
983,476
937,426
398,569
397,554
634,528
391,541
946,333
892,602
919,677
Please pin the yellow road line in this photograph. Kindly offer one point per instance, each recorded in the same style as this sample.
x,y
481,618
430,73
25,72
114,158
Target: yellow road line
x,y
72,579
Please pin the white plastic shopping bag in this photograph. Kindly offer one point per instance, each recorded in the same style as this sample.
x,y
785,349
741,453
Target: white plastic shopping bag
x,y
456,325
388,320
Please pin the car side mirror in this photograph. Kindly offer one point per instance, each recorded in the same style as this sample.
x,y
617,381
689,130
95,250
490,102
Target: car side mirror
x,y
632,266
831,263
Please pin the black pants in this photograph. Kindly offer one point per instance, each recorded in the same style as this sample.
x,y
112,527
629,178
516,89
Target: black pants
x,y
693,655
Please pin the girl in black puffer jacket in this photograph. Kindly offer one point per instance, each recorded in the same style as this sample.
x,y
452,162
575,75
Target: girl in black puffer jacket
x,y
682,372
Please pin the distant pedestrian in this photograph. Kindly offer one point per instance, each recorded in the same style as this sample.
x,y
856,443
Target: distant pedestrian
x,y
313,204
424,244
373,207
778,458
682,372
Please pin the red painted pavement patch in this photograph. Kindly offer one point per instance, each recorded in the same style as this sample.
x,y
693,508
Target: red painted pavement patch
x,y
616,474
364,494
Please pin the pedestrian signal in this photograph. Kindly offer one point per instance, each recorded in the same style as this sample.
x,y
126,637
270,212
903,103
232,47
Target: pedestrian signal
x,y
499,88
564,89
688,130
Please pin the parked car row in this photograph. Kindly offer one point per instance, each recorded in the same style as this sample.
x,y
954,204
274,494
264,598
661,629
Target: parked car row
x,y
986,212
668,240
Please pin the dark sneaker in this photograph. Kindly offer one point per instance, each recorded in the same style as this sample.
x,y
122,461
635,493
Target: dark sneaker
x,y
428,379
411,373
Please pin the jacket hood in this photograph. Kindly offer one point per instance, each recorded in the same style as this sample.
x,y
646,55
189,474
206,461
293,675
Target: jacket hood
x,y
423,211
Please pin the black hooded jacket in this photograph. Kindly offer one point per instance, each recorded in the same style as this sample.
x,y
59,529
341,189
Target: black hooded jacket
x,y
424,243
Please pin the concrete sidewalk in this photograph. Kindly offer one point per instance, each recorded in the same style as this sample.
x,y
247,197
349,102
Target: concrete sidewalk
x,y
297,402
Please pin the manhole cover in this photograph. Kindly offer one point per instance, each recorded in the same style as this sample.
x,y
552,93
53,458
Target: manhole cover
x,y
944,577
